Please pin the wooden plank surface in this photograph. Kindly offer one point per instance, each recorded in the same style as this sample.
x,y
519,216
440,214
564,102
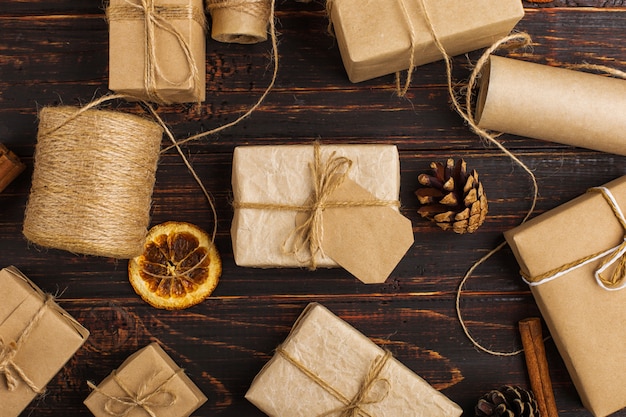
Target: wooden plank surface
x,y
56,52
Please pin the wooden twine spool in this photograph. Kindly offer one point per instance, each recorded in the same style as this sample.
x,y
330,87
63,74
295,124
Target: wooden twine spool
x,y
92,182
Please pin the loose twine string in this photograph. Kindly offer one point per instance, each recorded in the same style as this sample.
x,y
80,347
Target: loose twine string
x,y
157,17
274,41
510,42
118,120
352,407
144,398
11,371
327,177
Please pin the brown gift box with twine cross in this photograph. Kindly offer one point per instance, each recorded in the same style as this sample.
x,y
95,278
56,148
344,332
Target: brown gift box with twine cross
x,y
379,37
147,383
573,258
326,367
157,49
319,206
37,338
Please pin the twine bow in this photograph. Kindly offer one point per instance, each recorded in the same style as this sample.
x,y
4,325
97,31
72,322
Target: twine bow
x,y
11,371
352,407
614,257
144,398
158,17
327,177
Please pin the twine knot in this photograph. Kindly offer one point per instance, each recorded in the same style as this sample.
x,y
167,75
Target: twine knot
x,y
157,17
305,241
327,177
7,367
614,257
11,371
144,398
352,407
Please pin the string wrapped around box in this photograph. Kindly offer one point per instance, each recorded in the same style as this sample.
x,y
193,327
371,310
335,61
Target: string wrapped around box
x,y
92,184
239,21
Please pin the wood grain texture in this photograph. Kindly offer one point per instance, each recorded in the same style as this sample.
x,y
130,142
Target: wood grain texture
x,y
54,52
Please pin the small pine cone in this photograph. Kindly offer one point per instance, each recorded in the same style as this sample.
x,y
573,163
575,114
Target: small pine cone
x,y
452,198
508,401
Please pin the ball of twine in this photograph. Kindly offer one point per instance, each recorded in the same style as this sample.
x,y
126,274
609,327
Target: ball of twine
x,y
92,182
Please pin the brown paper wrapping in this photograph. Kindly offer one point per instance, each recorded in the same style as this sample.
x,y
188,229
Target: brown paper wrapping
x,y
281,175
145,370
553,104
129,52
239,21
341,357
10,167
585,320
54,339
374,36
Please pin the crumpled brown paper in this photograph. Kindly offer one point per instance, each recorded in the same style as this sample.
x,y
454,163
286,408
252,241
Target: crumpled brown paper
x,y
281,175
340,357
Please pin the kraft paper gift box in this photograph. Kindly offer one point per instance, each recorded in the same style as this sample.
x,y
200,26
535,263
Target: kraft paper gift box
x,y
366,241
149,375
585,319
163,61
325,364
375,37
37,338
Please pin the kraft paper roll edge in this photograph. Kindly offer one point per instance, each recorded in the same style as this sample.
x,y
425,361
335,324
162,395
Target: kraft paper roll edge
x,y
554,104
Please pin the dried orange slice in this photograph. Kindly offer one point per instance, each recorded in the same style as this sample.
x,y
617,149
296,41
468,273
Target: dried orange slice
x,y
179,266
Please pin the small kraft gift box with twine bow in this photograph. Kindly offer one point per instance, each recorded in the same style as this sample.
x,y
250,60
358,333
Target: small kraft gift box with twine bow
x,y
379,37
325,367
573,259
148,383
37,338
319,206
157,50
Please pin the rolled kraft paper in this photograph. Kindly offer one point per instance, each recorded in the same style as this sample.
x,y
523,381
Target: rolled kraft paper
x,y
239,21
554,104
92,182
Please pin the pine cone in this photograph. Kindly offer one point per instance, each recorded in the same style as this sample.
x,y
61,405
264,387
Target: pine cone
x,y
452,198
508,401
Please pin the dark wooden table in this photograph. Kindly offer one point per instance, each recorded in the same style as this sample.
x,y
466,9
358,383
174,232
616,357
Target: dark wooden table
x,y
56,52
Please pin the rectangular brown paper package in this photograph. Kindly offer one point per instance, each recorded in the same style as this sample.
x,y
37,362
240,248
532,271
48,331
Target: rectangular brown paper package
x,y
272,184
164,62
324,363
585,320
150,374
41,335
376,37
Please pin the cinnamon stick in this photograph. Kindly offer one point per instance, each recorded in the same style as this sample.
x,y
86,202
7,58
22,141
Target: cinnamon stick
x,y
537,364
10,167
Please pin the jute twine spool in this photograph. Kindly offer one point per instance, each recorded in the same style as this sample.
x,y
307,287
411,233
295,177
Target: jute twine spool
x,y
92,182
